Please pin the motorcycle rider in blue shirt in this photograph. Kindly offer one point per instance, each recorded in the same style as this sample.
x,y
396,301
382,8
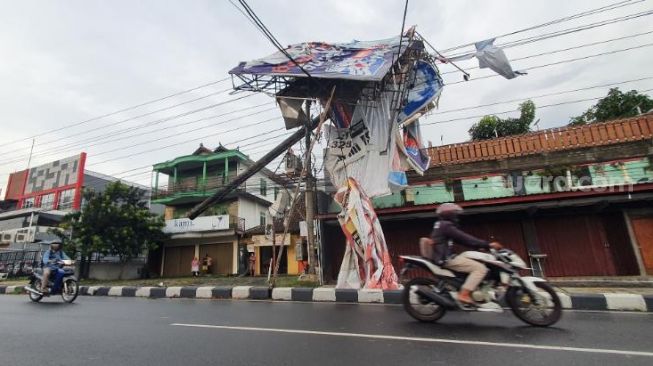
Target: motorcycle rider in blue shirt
x,y
51,259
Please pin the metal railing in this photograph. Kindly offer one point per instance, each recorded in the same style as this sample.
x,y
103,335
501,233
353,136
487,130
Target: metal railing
x,y
19,262
193,186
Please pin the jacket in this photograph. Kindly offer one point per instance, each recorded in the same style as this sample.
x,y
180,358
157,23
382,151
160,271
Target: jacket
x,y
445,233
49,255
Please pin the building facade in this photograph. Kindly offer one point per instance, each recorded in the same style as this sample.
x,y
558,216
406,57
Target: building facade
x,y
36,201
575,201
185,181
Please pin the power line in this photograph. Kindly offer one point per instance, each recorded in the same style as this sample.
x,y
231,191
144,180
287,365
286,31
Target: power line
x,y
184,142
249,153
543,95
104,141
565,49
266,32
602,9
215,105
186,132
513,110
119,111
563,61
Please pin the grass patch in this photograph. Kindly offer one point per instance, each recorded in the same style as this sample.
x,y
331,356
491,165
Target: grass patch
x,y
282,281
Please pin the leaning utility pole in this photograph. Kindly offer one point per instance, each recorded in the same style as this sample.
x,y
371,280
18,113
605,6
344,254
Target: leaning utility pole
x,y
310,197
260,164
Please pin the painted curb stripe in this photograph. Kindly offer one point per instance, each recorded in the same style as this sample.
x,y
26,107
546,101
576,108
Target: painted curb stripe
x,y
346,295
222,292
188,292
260,293
392,297
158,292
595,302
302,294
129,291
589,302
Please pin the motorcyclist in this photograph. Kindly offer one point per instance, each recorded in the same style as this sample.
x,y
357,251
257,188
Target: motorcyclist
x,y
51,260
445,233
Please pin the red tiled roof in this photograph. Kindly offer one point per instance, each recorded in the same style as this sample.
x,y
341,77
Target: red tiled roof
x,y
554,139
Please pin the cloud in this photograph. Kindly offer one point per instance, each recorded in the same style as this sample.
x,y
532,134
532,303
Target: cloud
x,y
65,64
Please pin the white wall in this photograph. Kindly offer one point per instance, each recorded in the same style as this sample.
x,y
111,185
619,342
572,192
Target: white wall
x,y
250,211
111,271
253,184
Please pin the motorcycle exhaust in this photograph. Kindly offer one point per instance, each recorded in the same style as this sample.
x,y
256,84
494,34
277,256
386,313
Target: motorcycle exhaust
x,y
29,289
437,298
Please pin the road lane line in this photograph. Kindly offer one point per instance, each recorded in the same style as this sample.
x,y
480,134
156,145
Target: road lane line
x,y
422,339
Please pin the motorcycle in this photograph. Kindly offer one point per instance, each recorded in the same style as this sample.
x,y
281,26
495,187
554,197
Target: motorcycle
x,y
68,289
531,299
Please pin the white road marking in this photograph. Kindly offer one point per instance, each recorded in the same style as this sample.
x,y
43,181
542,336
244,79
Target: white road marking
x,y
422,339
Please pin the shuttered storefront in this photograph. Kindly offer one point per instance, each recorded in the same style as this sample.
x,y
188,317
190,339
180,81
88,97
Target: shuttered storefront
x,y
222,255
177,261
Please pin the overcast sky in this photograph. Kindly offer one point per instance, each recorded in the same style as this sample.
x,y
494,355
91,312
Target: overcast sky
x,y
63,62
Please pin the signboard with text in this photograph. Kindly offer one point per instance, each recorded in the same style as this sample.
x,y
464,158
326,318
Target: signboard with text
x,y
202,223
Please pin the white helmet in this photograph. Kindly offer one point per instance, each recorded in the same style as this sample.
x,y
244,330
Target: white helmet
x,y
449,211
55,245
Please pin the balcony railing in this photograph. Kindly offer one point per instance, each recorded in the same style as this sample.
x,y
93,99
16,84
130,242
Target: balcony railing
x,y
237,223
193,186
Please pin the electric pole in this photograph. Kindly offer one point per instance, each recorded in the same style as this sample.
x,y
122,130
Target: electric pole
x,y
310,197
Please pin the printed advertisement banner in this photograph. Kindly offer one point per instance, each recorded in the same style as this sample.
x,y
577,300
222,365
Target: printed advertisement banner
x,y
356,60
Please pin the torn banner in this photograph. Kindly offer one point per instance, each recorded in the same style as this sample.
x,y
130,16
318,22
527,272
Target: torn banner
x,y
492,57
370,143
358,147
366,263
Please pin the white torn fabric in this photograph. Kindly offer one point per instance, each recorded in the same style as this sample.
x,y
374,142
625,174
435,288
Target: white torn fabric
x,y
492,57
367,262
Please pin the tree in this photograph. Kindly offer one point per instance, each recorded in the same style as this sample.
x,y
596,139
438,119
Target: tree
x,y
615,105
114,222
492,126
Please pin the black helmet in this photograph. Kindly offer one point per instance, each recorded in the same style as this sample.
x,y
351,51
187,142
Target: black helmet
x,y
449,211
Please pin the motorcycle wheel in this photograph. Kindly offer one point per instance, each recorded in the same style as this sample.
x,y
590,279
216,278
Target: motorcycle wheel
x,y
73,290
529,311
419,308
36,284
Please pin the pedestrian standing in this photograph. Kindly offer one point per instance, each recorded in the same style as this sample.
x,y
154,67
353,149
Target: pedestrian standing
x,y
252,264
195,267
209,264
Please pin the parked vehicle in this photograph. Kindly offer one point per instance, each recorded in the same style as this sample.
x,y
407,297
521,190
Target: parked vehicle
x,y
68,290
531,299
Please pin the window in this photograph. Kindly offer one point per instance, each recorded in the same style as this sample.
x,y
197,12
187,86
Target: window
x,y
262,219
264,187
47,201
276,193
66,199
29,202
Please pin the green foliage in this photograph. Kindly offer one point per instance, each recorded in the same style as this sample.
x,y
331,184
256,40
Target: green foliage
x,y
615,105
490,127
114,222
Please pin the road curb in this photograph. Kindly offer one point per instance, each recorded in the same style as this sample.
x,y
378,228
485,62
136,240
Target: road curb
x,y
600,302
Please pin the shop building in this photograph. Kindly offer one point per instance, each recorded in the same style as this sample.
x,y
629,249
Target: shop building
x,y
577,201
185,181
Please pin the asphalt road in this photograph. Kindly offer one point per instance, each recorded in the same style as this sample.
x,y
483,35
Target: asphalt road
x,y
135,331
